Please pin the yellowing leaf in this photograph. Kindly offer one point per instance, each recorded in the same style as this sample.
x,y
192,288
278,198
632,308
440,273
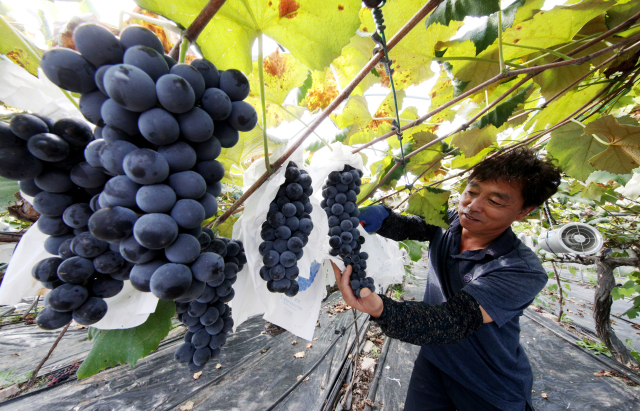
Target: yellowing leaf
x,y
473,73
441,93
593,192
364,126
474,140
314,31
573,149
17,49
432,205
354,57
623,153
282,73
322,91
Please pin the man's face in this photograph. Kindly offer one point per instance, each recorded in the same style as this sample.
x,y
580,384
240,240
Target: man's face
x,y
488,207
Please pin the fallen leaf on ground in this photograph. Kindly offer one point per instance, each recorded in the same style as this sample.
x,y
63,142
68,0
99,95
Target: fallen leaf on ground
x,y
218,366
187,407
299,354
544,395
294,342
309,345
197,375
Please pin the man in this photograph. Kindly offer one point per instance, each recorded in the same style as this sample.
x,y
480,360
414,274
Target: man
x,y
480,279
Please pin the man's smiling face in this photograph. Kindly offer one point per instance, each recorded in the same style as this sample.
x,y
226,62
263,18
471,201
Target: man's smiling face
x,y
488,207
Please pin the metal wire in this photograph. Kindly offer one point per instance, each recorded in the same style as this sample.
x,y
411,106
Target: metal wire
x,y
380,38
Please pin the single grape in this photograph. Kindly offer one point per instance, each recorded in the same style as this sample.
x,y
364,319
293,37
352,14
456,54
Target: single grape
x,y
87,246
170,281
16,163
174,93
49,319
196,125
108,262
52,204
75,132
208,267
121,191
192,76
180,156
158,198
134,35
184,250
29,187
208,71
106,287
145,166
226,134
235,84
48,147
92,311
67,69
243,116
159,127
53,226
148,60
140,275
46,270
112,223
117,116
212,171
54,181
130,87
208,150
155,231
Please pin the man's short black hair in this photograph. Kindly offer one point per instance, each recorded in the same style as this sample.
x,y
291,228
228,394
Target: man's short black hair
x,y
538,178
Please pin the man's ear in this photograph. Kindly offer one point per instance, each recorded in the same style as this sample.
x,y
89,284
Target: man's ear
x,y
524,212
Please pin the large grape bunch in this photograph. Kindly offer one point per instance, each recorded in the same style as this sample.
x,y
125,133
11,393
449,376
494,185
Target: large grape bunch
x,y
208,318
339,202
286,232
160,127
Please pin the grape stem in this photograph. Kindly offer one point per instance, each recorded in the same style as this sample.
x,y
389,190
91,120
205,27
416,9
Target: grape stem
x,y
263,102
34,375
184,48
193,31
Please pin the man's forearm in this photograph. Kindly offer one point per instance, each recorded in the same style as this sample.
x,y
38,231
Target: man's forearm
x,y
427,324
400,227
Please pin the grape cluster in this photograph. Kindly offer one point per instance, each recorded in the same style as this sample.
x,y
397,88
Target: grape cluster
x,y
46,158
137,189
339,202
286,232
208,318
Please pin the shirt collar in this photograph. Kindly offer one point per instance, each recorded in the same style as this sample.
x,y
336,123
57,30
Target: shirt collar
x,y
500,246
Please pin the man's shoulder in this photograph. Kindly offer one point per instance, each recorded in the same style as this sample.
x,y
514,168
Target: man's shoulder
x,y
522,257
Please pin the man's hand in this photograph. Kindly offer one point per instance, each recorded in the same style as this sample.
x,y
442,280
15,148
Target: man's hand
x,y
369,302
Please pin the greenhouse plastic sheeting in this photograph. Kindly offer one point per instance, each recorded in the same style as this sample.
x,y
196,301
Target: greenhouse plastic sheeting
x,y
255,371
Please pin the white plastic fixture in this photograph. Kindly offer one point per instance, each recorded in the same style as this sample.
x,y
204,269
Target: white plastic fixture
x,y
572,238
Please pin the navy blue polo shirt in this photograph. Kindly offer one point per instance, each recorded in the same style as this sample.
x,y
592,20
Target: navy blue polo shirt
x,y
504,278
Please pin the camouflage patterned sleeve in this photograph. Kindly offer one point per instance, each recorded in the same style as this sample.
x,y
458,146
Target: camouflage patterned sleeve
x,y
427,324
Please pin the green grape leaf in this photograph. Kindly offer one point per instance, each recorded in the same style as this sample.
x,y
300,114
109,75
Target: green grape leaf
x,y
559,109
464,162
226,228
414,248
314,31
623,153
501,113
18,49
486,32
593,191
250,145
474,140
550,28
113,347
573,149
457,10
605,177
431,204
620,13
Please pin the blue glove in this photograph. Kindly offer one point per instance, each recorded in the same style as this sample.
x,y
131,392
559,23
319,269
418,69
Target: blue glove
x,y
372,217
